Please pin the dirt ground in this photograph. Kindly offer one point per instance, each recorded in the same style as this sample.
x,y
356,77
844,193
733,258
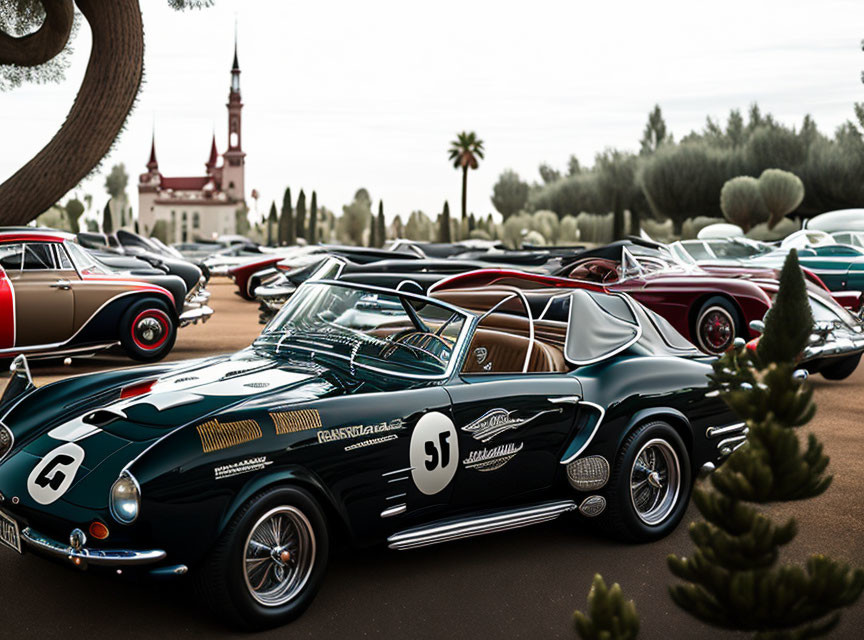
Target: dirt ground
x,y
519,584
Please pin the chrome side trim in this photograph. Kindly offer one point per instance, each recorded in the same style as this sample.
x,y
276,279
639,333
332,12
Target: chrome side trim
x,y
712,432
84,556
593,433
445,531
394,511
730,441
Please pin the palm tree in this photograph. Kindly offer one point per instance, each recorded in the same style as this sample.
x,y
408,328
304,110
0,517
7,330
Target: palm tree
x,y
465,151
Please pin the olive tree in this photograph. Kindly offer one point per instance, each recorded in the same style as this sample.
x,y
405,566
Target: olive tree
x,y
509,194
741,202
781,193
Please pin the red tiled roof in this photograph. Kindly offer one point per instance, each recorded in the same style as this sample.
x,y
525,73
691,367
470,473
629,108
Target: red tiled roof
x,y
185,184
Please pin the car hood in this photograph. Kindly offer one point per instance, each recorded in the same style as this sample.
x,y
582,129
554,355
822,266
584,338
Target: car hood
x,y
102,436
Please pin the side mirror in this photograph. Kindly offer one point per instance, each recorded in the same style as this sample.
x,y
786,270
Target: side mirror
x,y
758,326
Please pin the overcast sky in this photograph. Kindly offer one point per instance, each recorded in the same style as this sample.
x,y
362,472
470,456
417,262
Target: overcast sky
x,y
341,95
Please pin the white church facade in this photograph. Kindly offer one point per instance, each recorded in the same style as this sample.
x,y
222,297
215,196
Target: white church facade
x,y
198,206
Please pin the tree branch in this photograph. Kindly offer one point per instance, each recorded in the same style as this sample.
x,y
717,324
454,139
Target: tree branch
x,y
98,114
46,42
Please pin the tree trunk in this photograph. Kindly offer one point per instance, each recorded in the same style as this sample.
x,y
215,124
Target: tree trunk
x,y
98,114
464,190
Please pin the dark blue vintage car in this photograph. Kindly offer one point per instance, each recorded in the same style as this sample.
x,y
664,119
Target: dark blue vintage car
x,y
369,415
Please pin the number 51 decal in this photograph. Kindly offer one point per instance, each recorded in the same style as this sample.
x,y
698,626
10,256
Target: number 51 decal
x,y
434,453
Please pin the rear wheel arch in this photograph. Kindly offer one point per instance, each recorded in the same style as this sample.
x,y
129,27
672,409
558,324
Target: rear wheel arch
x,y
673,417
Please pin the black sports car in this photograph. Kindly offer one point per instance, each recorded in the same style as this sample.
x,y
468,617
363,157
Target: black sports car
x,y
367,414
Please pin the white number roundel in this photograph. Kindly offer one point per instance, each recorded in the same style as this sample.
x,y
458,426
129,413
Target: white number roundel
x,y
53,476
434,453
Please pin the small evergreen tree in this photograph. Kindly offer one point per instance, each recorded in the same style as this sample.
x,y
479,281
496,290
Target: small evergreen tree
x,y
373,231
300,215
609,616
313,220
286,221
444,234
733,579
107,222
381,228
272,219
74,209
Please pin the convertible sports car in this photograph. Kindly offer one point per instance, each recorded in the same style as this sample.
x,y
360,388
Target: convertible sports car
x,y
370,415
710,306
55,299
840,267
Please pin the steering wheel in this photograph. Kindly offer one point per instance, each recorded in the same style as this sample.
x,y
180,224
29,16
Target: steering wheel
x,y
399,338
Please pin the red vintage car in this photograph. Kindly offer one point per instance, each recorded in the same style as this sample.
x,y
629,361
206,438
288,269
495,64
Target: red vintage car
x,y
55,299
710,308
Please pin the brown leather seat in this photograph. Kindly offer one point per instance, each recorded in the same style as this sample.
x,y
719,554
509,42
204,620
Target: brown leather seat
x,y
494,351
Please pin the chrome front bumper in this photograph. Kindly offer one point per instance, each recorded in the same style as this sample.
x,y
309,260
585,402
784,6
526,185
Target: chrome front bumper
x,y
194,313
83,557
831,345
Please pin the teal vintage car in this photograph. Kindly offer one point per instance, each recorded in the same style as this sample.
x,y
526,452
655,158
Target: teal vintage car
x,y
839,266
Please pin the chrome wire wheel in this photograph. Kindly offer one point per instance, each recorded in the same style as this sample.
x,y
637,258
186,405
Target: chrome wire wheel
x,y
655,481
715,330
279,556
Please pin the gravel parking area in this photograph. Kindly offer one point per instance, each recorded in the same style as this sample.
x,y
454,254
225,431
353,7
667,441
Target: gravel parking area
x,y
519,584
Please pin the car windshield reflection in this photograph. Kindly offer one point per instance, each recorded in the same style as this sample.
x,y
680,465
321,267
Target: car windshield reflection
x,y
393,333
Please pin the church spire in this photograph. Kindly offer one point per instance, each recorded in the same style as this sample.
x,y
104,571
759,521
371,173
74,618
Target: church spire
x,y
235,68
152,165
214,154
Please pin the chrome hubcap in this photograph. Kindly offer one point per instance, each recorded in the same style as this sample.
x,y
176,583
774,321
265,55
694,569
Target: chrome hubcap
x,y
279,556
716,330
655,481
149,329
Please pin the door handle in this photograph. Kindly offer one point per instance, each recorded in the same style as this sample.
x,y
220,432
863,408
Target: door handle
x,y
63,284
565,400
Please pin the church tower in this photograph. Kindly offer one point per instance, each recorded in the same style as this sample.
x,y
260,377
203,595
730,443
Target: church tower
x,y
234,168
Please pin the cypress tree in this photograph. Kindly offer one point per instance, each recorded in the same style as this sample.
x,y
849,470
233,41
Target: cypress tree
x,y
381,230
286,220
373,232
788,324
609,616
444,224
107,222
733,579
300,218
272,219
313,219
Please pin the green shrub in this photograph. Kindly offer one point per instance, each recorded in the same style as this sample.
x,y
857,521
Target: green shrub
x,y
741,202
781,193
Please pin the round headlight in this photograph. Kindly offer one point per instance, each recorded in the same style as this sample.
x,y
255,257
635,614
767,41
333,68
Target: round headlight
x,y
125,499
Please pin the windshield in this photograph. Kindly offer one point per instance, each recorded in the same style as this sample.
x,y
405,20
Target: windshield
x,y
84,262
376,329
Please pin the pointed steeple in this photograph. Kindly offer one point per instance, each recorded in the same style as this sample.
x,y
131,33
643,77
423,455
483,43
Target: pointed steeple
x,y
235,68
152,165
214,154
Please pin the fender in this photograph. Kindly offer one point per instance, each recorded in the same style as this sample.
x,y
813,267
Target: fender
x,y
675,418
296,475
102,325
